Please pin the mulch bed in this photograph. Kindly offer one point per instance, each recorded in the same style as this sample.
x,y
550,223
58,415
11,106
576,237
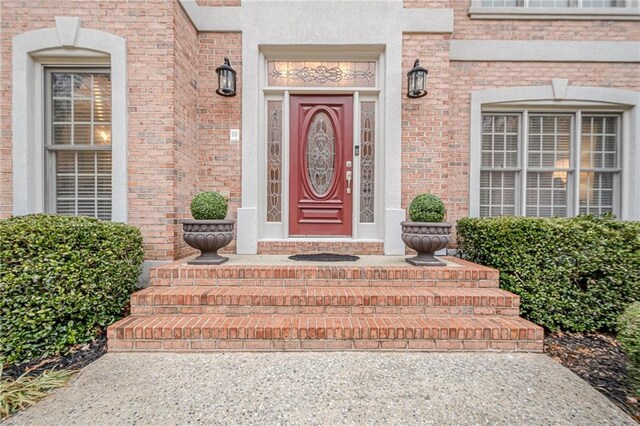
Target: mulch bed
x,y
78,357
599,360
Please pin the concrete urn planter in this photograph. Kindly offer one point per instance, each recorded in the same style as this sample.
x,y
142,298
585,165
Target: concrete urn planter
x,y
426,238
208,236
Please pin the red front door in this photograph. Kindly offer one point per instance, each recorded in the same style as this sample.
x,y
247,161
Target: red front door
x,y
321,173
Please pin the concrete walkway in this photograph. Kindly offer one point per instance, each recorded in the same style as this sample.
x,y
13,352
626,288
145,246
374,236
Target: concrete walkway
x,y
325,389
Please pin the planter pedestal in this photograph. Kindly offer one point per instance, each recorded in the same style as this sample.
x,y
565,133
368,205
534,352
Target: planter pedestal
x,y
426,238
208,236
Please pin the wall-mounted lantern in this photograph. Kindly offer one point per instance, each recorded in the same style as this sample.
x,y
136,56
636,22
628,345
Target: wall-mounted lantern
x,y
226,79
417,79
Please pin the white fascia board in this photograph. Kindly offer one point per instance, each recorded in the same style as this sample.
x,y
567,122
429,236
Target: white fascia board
x,y
301,17
545,51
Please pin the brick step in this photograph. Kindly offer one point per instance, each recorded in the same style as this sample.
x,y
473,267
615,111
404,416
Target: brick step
x,y
322,332
323,300
457,273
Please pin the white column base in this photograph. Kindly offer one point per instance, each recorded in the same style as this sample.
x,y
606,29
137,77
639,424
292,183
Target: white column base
x,y
393,245
247,231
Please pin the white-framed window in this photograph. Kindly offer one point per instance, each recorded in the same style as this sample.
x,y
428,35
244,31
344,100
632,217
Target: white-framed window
x,y
550,164
78,158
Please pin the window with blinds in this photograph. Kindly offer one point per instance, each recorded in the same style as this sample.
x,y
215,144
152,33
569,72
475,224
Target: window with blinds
x,y
598,164
549,164
78,142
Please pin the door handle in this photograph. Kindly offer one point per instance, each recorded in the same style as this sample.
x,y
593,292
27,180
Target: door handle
x,y
348,181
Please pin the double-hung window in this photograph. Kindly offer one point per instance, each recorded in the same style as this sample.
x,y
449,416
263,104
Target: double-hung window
x,y
78,142
550,164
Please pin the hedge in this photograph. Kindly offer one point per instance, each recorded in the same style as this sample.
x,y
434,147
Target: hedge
x,y
629,336
574,274
62,280
427,208
209,206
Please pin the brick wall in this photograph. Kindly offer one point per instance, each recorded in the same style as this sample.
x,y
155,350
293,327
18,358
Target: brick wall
x,y
425,121
179,128
186,138
470,76
509,29
149,27
435,135
219,158
506,29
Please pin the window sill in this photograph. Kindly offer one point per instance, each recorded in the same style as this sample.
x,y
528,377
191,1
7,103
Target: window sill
x,y
564,13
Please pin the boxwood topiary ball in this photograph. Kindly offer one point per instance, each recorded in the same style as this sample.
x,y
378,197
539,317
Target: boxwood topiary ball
x,y
427,208
209,206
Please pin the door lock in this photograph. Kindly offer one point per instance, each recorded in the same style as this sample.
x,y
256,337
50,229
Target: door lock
x,y
348,164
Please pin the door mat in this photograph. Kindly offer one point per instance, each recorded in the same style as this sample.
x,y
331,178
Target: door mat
x,y
325,257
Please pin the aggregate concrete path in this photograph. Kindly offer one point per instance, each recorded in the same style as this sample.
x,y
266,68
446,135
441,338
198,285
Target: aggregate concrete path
x,y
325,389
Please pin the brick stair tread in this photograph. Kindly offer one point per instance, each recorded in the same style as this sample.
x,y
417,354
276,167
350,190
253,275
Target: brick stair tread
x,y
458,270
287,327
323,296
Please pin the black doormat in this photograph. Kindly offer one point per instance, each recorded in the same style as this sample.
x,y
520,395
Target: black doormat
x,y
325,257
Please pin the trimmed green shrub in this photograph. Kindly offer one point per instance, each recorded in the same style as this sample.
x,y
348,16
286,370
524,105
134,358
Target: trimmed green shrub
x,y
209,206
574,274
629,336
427,208
62,280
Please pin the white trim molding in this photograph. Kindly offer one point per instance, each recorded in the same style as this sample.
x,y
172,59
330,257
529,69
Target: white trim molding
x,y
297,15
67,44
628,101
556,13
544,51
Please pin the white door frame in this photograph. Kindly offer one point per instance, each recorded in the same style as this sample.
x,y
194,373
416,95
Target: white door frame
x,y
278,231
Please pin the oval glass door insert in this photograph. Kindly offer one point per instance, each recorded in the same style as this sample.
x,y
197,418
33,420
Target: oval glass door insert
x,y
321,153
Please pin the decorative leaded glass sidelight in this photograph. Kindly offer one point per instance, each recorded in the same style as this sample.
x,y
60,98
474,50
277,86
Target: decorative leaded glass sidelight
x,y
367,161
274,161
321,153
322,73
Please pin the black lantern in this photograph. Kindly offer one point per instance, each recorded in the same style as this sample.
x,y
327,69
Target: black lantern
x,y
417,79
226,79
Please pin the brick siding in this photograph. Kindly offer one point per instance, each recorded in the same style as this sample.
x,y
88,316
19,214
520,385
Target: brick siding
x,y
178,128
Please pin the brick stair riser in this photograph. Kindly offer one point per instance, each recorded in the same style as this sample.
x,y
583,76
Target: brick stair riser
x,y
328,310
365,331
227,345
274,282
323,296
202,275
256,296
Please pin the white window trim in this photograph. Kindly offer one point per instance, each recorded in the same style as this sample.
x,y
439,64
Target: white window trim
x,y
628,13
574,168
67,44
560,95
